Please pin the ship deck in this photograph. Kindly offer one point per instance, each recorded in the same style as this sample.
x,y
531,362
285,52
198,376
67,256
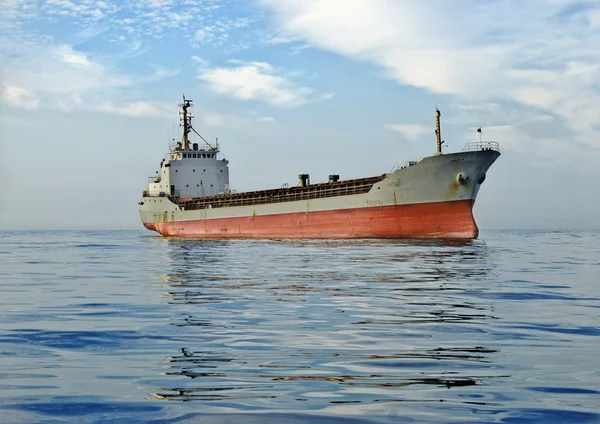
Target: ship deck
x,y
280,195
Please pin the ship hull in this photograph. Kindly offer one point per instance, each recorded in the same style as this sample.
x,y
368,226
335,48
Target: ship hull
x,y
428,220
431,199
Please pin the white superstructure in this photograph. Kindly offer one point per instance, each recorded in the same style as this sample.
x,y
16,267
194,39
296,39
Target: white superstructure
x,y
191,171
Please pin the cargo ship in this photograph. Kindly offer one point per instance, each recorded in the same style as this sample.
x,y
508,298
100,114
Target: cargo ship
x,y
430,198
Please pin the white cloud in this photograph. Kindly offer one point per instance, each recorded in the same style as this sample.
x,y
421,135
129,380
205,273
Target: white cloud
x,y
19,97
263,66
540,54
138,109
204,35
255,81
220,120
276,39
200,61
411,131
216,120
72,57
594,19
56,70
155,4
44,74
160,73
197,21
39,71
87,12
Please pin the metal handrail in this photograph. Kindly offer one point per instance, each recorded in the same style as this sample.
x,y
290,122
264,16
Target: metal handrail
x,y
316,191
408,163
481,145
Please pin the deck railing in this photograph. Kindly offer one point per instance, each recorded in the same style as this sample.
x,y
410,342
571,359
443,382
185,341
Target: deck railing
x,y
481,145
315,191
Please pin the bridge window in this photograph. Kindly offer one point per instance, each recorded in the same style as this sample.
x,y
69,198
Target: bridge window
x,y
194,155
185,155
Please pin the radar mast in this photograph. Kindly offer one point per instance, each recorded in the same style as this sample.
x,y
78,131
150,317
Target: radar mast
x,y
186,120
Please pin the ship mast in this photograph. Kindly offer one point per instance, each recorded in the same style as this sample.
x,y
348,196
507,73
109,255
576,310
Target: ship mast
x,y
438,131
187,125
187,122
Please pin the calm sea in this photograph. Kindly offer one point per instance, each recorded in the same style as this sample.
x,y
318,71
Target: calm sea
x,y
123,326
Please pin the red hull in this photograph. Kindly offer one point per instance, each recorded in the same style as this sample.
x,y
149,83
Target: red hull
x,y
426,220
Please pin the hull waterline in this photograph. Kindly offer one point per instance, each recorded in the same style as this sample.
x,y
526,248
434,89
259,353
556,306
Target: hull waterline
x,y
453,220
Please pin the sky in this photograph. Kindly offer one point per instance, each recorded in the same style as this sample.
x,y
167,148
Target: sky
x,y
89,94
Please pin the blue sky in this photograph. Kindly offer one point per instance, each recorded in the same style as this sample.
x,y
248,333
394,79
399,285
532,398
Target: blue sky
x,y
89,94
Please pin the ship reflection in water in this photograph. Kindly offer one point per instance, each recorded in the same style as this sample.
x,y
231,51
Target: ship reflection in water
x,y
323,325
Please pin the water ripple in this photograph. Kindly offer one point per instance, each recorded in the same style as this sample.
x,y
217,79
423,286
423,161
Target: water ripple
x,y
123,327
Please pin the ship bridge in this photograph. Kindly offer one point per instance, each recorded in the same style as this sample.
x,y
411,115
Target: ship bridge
x,y
192,170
